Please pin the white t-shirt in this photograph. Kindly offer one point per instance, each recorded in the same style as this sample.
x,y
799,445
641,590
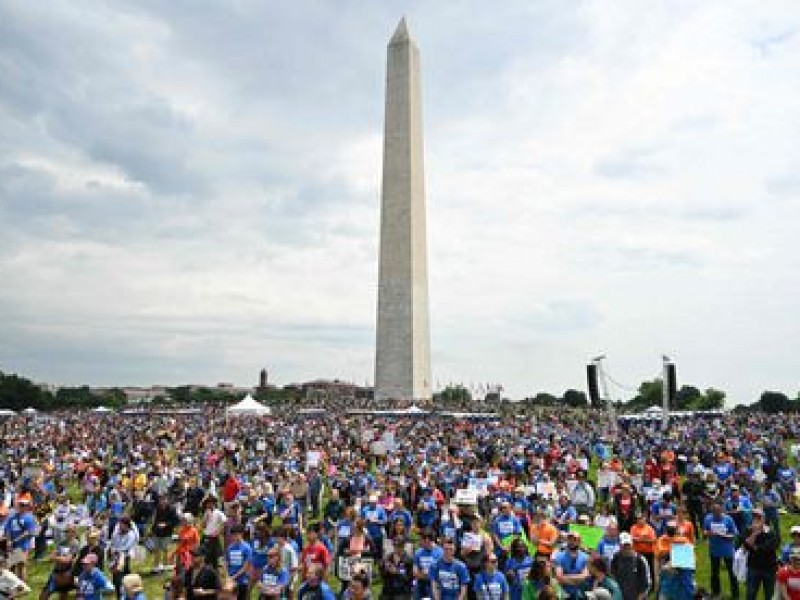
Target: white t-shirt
x,y
214,522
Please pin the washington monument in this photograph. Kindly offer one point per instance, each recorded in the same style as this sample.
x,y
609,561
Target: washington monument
x,y
402,356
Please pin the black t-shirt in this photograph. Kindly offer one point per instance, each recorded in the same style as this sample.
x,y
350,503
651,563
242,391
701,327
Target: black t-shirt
x,y
207,579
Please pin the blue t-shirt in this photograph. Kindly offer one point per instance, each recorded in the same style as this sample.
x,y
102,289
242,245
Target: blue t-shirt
x,y
424,559
571,565
325,591
519,569
607,549
259,556
490,587
18,525
449,577
91,585
375,516
506,525
237,556
720,547
275,578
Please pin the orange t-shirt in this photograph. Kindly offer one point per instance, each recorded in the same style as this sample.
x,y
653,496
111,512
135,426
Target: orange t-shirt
x,y
644,538
546,532
188,539
664,544
686,529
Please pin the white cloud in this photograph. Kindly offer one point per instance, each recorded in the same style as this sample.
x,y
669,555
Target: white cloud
x,y
189,195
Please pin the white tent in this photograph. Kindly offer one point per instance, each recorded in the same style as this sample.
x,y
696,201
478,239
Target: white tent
x,y
248,406
101,409
30,411
5,412
654,410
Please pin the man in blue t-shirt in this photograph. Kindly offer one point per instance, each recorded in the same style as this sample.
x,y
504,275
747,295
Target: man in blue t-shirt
x,y
721,532
449,576
20,529
572,567
375,516
237,558
424,559
490,584
506,524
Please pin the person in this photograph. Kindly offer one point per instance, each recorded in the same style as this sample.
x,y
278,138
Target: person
x,y
506,525
20,530
583,496
761,544
94,546
721,532
789,577
237,559
644,542
121,545
794,534
213,528
358,588
540,584
188,540
490,584
517,566
476,545
314,587
11,586
609,544
673,583
449,576
375,516
572,567
61,580
289,556
425,557
91,583
334,509
315,553
274,579
397,573
599,579
630,570
132,587
201,581
165,519
543,534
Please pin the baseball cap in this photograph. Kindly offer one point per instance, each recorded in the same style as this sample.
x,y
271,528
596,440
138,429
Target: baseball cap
x,y
625,538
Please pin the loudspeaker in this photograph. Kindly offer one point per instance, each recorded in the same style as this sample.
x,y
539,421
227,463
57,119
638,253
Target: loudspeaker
x,y
672,386
591,378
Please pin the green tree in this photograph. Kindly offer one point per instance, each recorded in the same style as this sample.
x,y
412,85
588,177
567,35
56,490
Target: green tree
x,y
687,397
575,399
455,394
774,402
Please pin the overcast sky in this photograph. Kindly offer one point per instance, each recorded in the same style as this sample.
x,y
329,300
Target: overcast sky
x,y
190,190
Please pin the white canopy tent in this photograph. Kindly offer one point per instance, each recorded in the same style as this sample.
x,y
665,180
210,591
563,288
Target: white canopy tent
x,y
6,412
248,406
101,409
30,411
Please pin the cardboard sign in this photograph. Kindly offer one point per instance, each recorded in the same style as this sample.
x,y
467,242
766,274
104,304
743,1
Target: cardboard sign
x,y
312,458
468,497
682,556
351,565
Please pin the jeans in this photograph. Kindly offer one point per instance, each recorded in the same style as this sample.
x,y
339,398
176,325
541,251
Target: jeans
x,y
715,567
756,579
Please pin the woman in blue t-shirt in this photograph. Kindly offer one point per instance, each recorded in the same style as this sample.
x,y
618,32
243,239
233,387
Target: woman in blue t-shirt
x,y
517,566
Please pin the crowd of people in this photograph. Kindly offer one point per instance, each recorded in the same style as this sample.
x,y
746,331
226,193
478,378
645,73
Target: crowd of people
x,y
560,504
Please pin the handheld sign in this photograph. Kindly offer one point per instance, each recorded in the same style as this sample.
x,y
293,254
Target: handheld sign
x,y
590,535
682,556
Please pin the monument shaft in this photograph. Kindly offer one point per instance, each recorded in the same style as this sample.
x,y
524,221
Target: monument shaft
x,y
402,359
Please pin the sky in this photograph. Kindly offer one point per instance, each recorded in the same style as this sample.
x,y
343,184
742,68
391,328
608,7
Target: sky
x,y
190,190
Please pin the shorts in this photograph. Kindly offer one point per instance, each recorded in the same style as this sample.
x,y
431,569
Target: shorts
x,y
161,544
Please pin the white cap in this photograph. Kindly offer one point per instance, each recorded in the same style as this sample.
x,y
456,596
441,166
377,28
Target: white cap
x,y
625,538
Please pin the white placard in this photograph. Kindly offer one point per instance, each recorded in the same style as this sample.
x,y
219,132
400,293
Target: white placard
x,y
312,458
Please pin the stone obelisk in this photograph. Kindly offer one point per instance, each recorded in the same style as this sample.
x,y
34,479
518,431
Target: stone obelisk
x,y
402,357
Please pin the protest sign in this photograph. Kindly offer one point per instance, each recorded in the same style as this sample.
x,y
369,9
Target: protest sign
x,y
351,565
682,556
590,535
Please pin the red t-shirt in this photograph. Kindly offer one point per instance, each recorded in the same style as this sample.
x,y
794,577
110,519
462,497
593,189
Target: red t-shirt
x,y
315,554
791,579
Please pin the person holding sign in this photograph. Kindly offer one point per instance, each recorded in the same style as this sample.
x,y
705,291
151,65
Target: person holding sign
x,y
721,532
